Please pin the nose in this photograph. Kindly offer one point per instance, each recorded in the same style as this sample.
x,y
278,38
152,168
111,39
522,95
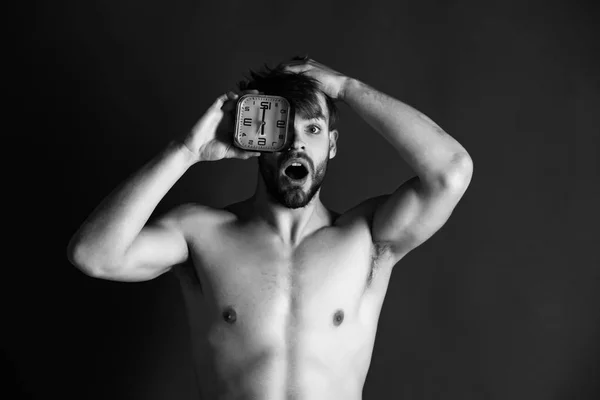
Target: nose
x,y
297,142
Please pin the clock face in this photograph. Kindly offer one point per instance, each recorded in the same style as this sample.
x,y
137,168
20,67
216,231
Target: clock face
x,y
262,123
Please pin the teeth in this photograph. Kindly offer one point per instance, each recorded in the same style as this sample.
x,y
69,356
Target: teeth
x,y
295,164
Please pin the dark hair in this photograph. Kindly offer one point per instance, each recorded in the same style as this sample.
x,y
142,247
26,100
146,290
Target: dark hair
x,y
298,88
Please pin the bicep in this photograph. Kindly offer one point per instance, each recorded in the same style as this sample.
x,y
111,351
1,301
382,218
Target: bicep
x,y
158,247
413,213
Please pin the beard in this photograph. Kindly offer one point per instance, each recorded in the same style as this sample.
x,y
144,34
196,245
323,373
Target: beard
x,y
287,193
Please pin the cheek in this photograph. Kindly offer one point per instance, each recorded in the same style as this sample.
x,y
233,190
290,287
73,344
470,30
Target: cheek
x,y
321,161
328,150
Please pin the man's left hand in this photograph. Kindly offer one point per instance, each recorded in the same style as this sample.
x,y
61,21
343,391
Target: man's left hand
x,y
331,82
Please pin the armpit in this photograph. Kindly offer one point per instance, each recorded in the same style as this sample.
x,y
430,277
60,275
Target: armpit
x,y
379,254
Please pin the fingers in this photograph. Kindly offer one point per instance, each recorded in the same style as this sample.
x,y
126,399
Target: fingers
x,y
295,64
296,67
227,101
251,154
218,103
245,154
236,152
251,91
298,60
247,91
231,95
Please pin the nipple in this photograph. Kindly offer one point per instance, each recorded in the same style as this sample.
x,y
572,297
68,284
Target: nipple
x,y
229,315
338,317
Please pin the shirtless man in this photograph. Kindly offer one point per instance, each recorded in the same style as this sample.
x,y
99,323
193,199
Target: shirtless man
x,y
283,295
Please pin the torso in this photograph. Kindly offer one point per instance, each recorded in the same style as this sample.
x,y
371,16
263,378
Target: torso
x,y
274,322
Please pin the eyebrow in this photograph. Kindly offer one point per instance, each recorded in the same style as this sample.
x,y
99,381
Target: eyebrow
x,y
314,116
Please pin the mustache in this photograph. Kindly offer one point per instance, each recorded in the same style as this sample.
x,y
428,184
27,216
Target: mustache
x,y
288,156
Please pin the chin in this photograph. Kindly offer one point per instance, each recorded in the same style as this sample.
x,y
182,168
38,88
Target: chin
x,y
294,198
292,194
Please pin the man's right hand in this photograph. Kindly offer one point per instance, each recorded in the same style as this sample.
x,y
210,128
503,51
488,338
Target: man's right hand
x,y
211,139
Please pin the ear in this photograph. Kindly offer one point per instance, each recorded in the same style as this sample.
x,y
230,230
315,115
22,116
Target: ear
x,y
333,137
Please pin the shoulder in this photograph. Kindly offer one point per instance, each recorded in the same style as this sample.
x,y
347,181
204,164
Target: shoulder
x,y
193,214
360,218
362,212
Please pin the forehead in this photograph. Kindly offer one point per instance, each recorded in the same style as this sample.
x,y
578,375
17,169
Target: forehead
x,y
317,111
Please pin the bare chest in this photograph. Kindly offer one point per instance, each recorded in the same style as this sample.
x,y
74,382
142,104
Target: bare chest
x,y
285,314
249,279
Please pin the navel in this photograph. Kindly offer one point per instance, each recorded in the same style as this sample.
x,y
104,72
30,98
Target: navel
x,y
229,315
338,317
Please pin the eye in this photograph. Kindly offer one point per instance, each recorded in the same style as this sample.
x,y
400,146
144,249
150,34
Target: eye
x,y
314,129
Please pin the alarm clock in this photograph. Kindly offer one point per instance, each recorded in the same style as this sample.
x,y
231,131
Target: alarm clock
x,y
261,123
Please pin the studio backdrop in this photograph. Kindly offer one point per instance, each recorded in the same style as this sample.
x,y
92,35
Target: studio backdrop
x,y
502,303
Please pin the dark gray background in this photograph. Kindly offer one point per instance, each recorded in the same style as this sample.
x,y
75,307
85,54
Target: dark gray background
x,y
502,303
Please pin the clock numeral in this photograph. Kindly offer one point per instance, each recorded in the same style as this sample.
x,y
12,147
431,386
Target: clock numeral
x,y
283,111
243,134
246,108
281,123
262,141
250,142
274,144
280,136
247,121
265,105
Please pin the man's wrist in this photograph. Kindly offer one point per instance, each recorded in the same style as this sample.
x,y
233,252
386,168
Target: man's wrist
x,y
188,156
348,86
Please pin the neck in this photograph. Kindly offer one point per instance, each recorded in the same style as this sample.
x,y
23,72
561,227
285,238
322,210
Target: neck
x,y
291,225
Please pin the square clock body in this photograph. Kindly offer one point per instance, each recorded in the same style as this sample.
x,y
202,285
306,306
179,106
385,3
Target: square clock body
x,y
261,123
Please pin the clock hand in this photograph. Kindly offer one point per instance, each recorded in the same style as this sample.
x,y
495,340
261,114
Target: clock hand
x,y
263,122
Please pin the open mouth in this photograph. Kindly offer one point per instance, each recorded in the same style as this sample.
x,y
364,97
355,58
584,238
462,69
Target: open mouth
x,y
296,171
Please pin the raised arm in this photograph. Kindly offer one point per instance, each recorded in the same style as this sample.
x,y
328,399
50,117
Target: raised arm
x,y
421,205
116,241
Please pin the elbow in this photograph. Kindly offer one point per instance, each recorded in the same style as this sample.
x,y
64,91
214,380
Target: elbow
x,y
85,259
79,258
75,253
457,176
